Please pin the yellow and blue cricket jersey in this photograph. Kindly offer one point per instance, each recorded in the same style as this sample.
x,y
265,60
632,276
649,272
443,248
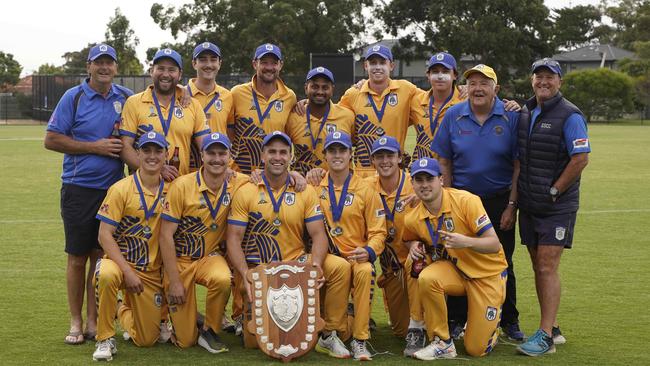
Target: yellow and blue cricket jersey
x,y
264,242
140,116
217,106
251,121
123,209
186,205
309,137
461,212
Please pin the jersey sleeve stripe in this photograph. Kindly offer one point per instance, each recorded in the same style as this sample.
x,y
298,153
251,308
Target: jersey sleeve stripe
x,y
170,218
237,222
127,133
107,220
314,218
484,229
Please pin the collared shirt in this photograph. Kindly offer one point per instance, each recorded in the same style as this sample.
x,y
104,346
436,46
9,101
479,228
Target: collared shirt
x,y
574,130
463,213
307,156
264,242
368,128
122,208
220,112
140,116
362,220
249,132
482,155
186,206
423,121
395,252
94,119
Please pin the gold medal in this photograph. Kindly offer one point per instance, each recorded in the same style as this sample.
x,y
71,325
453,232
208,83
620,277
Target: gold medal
x,y
146,229
277,222
213,227
337,231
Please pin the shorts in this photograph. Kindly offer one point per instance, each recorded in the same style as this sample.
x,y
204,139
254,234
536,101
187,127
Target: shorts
x,y
79,205
547,230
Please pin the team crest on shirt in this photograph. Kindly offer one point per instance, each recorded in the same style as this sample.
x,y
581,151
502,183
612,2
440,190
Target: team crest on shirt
x,y
202,203
392,99
279,106
349,199
157,299
330,127
218,105
400,206
226,199
104,208
152,112
449,224
498,130
323,194
560,232
290,198
491,313
117,106
178,112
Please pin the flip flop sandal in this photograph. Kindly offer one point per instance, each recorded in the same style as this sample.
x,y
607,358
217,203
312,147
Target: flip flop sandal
x,y
75,335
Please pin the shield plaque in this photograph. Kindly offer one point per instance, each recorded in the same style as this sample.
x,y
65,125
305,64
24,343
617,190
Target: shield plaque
x,y
285,313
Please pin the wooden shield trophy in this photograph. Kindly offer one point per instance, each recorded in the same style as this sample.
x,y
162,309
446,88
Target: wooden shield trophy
x,y
286,308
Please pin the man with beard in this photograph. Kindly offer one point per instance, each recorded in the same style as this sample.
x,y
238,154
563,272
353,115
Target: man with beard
x,y
308,131
158,109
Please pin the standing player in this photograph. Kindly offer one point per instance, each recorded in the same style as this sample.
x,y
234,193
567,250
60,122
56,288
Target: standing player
x,y
466,258
381,106
158,109
308,131
267,222
354,218
128,233
84,126
260,107
192,235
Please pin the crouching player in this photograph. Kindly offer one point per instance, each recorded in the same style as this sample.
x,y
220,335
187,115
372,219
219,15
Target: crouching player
x,y
128,233
193,227
466,258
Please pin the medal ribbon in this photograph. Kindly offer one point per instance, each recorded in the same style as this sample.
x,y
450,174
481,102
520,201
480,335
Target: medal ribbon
x,y
379,113
315,140
433,122
165,124
434,235
390,214
261,115
337,207
210,103
276,204
213,211
148,212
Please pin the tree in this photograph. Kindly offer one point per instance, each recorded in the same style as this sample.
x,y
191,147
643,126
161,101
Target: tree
x,y
599,92
503,34
75,61
9,70
299,27
574,26
120,35
632,22
49,69
639,70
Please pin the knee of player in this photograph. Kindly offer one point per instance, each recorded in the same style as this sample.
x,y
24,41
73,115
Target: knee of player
x,y
363,272
476,349
146,340
219,281
107,276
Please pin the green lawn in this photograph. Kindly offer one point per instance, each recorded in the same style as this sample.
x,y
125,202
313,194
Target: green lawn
x,y
606,277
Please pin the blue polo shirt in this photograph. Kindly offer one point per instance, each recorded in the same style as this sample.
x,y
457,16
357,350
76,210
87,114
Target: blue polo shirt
x,y
482,156
574,130
94,120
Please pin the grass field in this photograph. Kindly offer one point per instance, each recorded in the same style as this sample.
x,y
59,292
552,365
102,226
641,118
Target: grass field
x,y
606,277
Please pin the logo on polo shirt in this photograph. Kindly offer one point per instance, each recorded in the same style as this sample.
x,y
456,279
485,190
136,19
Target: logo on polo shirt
x,y
226,199
546,125
279,106
117,106
290,198
218,105
178,112
349,199
498,130
330,127
449,224
481,221
392,99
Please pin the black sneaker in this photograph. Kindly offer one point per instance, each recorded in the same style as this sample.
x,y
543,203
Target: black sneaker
x,y
456,330
558,338
416,339
210,340
372,325
513,332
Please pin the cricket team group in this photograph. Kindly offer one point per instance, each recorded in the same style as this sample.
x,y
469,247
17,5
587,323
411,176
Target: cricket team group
x,y
223,180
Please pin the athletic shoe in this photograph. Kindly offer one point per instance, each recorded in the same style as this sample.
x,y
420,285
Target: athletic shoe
x,y
513,332
537,345
416,339
456,330
210,340
165,332
227,325
438,349
332,346
104,350
360,350
239,326
126,336
558,338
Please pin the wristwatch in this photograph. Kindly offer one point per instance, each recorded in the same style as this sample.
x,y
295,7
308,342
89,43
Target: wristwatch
x,y
554,192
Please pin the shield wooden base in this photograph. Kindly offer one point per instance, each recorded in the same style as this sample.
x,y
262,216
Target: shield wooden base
x,y
285,312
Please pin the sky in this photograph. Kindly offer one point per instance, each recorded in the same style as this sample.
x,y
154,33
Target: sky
x,y
38,32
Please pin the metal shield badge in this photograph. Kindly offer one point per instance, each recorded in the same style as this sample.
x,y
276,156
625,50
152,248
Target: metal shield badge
x,y
285,306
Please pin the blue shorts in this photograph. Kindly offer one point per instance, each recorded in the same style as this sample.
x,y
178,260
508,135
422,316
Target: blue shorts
x,y
547,230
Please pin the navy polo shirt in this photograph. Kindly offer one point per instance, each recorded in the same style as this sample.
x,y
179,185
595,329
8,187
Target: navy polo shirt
x,y
482,156
94,120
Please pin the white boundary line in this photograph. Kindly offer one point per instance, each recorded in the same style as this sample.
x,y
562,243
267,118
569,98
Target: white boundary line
x,y
22,139
614,211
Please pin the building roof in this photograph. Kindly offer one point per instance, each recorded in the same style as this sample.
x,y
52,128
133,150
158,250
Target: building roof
x,y
594,53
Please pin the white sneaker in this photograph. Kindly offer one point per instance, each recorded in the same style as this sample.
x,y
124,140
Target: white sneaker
x,y
126,336
437,349
332,346
165,332
104,350
360,351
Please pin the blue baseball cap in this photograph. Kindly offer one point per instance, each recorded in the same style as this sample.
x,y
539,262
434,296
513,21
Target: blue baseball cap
x,y
206,47
548,63
379,50
278,135
388,143
442,58
338,137
168,53
320,71
425,165
215,138
152,137
101,50
267,48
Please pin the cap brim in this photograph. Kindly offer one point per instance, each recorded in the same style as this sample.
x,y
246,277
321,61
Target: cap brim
x,y
323,75
267,53
102,54
197,54
206,146
446,65
156,60
157,143
471,72
384,148
337,142
377,54
551,69
423,170
280,137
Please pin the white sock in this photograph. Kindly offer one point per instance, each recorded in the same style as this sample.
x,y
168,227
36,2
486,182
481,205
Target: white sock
x,y
416,324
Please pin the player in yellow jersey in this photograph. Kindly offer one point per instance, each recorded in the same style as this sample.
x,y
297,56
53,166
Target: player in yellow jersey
x,y
308,130
464,257
158,109
191,237
381,106
128,233
260,107
267,222
354,218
